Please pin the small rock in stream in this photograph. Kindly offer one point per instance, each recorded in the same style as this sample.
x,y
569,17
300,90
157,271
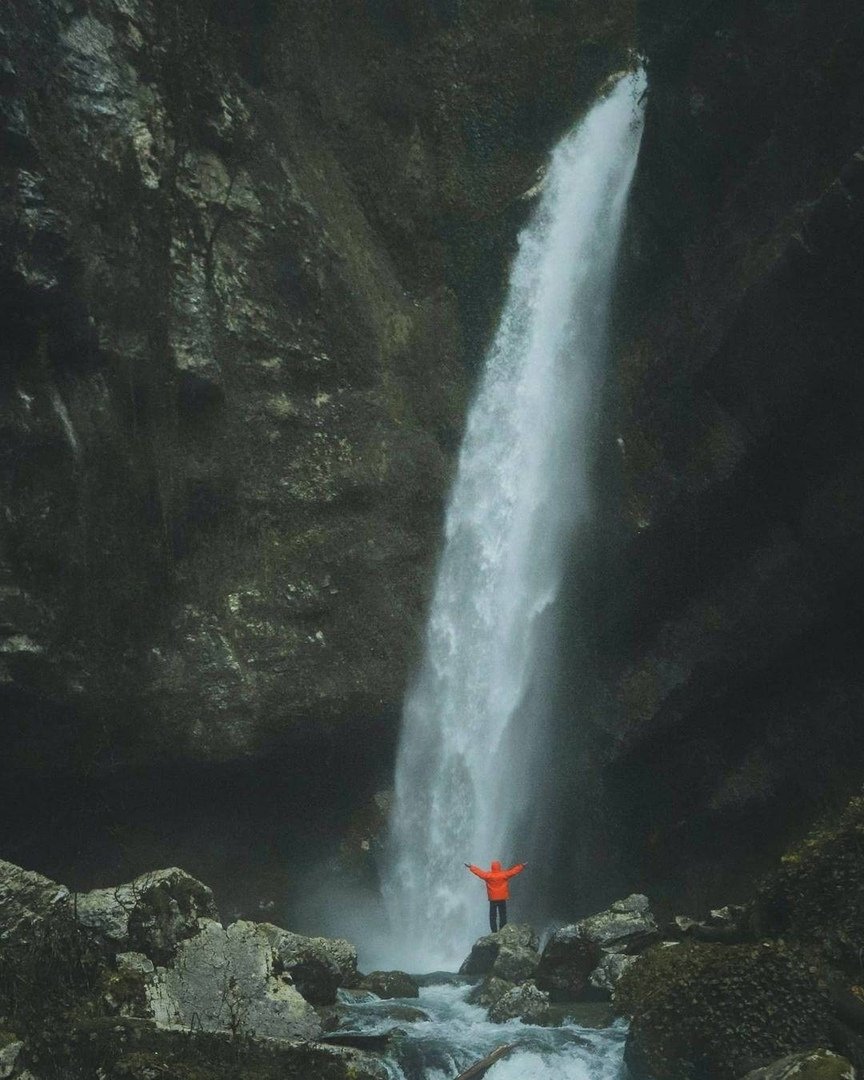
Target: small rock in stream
x,y
390,984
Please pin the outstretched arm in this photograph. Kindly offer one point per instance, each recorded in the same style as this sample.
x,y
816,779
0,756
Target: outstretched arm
x,y
476,870
517,869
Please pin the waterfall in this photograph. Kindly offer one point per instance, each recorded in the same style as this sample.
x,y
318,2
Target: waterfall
x,y
471,759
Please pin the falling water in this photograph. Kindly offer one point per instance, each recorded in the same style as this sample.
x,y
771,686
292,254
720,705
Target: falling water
x,y
474,724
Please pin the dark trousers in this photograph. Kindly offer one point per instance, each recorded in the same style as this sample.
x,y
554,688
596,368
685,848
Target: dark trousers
x,y
499,908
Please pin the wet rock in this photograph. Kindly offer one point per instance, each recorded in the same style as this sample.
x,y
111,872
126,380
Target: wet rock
x,y
808,1065
484,952
227,980
390,984
317,966
515,965
566,963
525,1003
444,978
355,996
406,1013
720,1010
488,991
149,915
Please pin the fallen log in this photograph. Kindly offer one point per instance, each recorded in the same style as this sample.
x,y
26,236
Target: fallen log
x,y
480,1067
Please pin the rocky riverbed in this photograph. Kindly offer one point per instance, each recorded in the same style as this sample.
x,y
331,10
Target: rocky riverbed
x,y
142,980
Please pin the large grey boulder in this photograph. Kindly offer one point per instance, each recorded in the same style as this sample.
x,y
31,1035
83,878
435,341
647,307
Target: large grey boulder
x,y
229,980
515,937
150,915
317,966
628,926
566,963
574,953
525,1003
27,901
807,1065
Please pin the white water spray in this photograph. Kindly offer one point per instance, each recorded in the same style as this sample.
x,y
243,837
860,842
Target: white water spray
x,y
474,725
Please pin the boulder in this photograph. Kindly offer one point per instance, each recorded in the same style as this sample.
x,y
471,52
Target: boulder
x,y
149,915
703,1009
515,965
575,952
390,984
27,900
484,952
808,1065
525,1003
566,963
318,966
628,926
488,991
230,980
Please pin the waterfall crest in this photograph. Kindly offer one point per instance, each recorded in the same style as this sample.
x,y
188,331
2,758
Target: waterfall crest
x,y
475,720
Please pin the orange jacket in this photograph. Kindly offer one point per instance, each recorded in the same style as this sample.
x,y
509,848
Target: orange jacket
x,y
496,879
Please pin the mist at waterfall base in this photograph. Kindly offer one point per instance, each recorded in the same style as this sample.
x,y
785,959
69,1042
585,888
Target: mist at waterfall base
x,y
477,764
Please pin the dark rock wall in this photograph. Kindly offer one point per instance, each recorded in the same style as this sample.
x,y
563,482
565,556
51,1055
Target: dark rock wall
x,y
234,364
249,255
727,604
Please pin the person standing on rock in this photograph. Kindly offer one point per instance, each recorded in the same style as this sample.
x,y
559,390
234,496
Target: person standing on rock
x,y
497,889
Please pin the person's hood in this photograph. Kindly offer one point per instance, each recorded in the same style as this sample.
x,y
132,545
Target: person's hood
x,y
496,865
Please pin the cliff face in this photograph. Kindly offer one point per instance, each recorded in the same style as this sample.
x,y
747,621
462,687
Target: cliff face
x,y
235,367
730,603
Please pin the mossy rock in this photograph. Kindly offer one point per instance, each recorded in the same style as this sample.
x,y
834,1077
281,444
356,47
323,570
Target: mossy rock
x,y
713,1010
817,892
811,1065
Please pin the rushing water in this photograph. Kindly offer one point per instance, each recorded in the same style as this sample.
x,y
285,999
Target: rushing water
x,y
471,759
457,1034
